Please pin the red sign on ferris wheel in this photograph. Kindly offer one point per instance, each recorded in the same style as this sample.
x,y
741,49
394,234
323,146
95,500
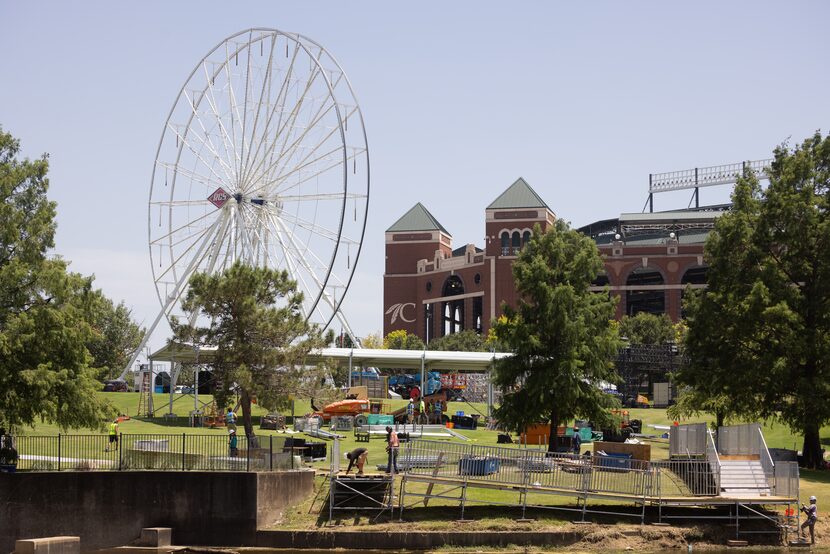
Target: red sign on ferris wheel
x,y
219,197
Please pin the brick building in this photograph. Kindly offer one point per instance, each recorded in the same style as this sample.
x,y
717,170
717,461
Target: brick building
x,y
432,289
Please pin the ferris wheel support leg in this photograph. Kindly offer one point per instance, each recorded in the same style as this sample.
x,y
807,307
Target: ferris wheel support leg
x,y
144,341
173,297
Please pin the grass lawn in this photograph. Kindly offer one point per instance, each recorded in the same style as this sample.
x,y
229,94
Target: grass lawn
x,y
777,435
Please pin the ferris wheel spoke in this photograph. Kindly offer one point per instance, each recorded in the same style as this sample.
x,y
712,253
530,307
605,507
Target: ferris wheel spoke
x,y
278,180
172,232
318,230
180,203
202,240
322,171
321,196
290,123
206,140
303,260
190,174
234,108
318,117
212,102
195,152
266,80
322,111
295,145
279,102
295,274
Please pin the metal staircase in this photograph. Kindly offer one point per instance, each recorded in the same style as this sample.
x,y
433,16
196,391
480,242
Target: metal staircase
x,y
743,477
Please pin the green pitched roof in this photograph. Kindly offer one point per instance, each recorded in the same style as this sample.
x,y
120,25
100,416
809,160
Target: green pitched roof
x,y
417,218
518,195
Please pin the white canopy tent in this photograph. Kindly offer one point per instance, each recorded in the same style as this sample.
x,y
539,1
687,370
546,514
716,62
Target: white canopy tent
x,y
423,360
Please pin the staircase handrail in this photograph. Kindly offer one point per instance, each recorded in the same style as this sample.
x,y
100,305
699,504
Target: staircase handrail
x,y
766,460
712,456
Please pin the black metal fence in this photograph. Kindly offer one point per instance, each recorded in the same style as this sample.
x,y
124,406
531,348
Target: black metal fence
x,y
173,452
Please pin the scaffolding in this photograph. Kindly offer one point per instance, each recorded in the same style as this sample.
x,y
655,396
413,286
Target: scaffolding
x,y
450,471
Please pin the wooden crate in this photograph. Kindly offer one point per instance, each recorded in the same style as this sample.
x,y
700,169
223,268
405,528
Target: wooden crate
x,y
637,451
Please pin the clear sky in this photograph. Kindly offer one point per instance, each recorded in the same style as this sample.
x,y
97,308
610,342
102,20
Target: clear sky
x,y
583,100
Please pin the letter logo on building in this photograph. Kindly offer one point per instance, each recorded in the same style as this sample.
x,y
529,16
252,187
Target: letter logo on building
x,y
397,311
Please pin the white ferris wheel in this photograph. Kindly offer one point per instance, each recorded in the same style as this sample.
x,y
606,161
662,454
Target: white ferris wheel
x,y
263,159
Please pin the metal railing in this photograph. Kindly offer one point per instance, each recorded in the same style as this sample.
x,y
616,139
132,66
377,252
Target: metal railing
x,y
532,469
688,440
786,480
713,458
174,452
685,478
739,440
766,460
705,176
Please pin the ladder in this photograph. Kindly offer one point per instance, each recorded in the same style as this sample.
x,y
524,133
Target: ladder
x,y
145,395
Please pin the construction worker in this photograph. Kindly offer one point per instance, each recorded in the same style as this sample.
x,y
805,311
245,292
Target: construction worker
x,y
410,412
392,446
811,512
437,411
357,457
113,436
230,419
422,411
233,450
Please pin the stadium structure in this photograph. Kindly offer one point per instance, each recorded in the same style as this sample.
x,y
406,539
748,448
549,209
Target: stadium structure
x,y
433,288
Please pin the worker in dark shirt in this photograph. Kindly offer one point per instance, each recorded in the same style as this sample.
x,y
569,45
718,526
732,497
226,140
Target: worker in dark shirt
x,y
357,457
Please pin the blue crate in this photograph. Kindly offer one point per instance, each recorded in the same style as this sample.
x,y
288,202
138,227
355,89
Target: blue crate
x,y
478,466
615,462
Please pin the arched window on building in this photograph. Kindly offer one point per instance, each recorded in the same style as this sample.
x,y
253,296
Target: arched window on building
x,y
601,280
428,316
505,243
525,238
693,276
478,313
650,300
517,243
453,310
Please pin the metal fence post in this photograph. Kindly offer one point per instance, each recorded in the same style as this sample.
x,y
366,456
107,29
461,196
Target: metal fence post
x,y
247,453
271,452
59,451
183,450
120,448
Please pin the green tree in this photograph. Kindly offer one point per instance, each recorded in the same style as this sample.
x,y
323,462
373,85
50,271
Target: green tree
x,y
464,341
115,335
44,364
372,340
646,328
760,333
560,333
254,319
401,340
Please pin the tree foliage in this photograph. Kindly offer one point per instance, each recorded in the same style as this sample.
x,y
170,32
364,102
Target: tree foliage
x,y
115,336
44,310
401,340
463,341
253,316
759,334
560,333
646,328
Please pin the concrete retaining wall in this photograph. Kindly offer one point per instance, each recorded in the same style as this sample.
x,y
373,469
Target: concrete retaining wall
x,y
421,540
110,508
